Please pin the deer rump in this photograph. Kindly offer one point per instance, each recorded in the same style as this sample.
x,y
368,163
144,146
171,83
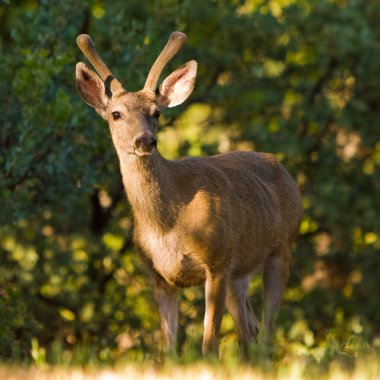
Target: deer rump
x,y
229,212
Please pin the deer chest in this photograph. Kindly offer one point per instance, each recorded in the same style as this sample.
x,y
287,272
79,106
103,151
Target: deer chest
x,y
172,258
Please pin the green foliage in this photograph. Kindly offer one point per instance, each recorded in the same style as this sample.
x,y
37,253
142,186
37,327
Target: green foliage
x,y
17,326
294,77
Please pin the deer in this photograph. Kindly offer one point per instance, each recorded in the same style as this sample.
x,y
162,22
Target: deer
x,y
212,221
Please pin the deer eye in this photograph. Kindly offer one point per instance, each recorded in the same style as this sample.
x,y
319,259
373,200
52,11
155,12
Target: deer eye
x,y
116,115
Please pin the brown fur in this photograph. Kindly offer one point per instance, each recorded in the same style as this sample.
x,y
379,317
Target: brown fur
x,y
211,220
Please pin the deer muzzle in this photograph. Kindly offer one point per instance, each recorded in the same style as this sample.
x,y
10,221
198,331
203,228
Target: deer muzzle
x,y
144,144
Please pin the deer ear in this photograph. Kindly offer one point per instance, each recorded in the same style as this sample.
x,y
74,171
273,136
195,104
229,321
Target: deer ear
x,y
91,89
176,88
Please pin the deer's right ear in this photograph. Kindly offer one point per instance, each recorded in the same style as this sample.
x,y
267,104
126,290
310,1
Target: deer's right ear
x,y
176,88
91,89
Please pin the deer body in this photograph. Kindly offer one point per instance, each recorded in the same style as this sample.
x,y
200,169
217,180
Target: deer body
x,y
208,212
211,220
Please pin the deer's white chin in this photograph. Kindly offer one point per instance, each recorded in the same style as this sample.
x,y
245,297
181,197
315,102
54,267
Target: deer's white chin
x,y
143,153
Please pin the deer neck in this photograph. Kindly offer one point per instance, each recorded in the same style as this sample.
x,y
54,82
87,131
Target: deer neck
x,y
149,185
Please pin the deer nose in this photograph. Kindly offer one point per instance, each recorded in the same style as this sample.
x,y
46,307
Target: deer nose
x,y
146,142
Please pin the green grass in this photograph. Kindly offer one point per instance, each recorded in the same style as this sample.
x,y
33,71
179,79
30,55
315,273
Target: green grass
x,y
333,364
351,357
295,368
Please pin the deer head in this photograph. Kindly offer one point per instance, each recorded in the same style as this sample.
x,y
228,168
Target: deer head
x,y
133,117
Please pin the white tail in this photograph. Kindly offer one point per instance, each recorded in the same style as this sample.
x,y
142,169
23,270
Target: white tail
x,y
211,220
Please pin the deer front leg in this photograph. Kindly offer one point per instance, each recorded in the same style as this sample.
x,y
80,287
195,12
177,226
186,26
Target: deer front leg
x,y
166,298
215,295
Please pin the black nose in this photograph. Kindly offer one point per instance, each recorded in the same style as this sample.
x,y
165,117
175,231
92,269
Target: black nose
x,y
146,142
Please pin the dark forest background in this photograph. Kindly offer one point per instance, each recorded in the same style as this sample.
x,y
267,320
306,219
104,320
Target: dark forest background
x,y
297,78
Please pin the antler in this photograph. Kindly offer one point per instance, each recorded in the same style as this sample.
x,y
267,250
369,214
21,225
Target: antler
x,y
85,44
176,40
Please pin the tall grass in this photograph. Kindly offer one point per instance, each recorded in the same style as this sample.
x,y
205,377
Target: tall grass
x,y
334,364
298,368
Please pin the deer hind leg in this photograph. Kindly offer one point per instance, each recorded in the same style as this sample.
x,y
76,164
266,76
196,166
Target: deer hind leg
x,y
241,311
166,298
253,323
276,273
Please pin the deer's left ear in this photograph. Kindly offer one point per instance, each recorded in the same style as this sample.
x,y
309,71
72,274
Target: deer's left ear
x,y
176,88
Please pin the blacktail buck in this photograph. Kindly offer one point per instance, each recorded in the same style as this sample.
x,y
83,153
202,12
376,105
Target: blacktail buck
x,y
210,220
